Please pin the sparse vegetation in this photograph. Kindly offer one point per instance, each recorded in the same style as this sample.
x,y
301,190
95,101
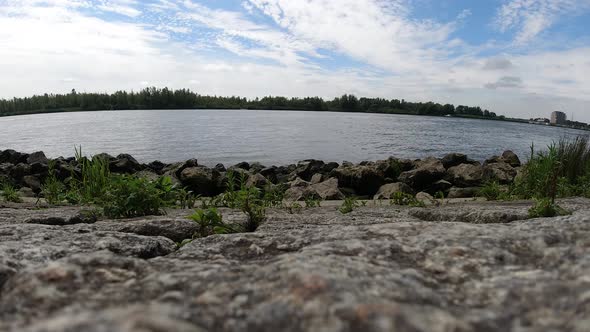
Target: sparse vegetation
x,y
400,198
210,222
10,194
129,196
52,189
349,204
294,207
312,202
544,207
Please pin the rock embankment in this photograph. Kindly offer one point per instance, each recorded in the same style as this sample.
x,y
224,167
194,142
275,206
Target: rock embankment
x,y
376,269
455,175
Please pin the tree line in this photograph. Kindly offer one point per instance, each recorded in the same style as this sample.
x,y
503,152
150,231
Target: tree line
x,y
156,98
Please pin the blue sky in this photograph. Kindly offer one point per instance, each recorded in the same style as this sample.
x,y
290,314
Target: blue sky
x,y
521,58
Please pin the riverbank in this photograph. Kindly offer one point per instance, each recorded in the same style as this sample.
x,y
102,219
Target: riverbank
x,y
453,176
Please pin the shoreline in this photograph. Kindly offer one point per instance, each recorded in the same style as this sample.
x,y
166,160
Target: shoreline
x,y
455,175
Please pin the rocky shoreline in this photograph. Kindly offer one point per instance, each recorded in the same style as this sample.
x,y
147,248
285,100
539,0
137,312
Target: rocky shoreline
x,y
454,175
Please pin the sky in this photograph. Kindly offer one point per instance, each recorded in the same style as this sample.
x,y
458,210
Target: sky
x,y
521,58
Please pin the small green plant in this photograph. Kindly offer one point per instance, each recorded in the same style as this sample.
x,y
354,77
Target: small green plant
x,y
403,199
312,202
349,204
294,208
53,190
274,195
210,222
490,191
544,207
129,196
94,178
10,194
186,199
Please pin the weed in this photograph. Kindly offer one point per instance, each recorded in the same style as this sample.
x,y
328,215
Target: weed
x,y
294,208
210,222
544,207
129,196
400,198
10,194
491,190
274,195
93,181
311,202
53,190
186,199
349,204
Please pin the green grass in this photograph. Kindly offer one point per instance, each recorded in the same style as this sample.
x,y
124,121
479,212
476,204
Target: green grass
x,y
403,199
349,204
52,189
10,194
546,208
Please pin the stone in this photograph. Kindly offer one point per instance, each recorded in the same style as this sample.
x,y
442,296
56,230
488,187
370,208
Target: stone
x,y
453,159
387,190
33,182
501,172
427,172
156,166
242,165
328,190
463,267
12,157
465,175
511,158
201,181
317,178
258,180
37,158
299,182
125,163
270,173
365,180
220,168
307,168
440,186
298,193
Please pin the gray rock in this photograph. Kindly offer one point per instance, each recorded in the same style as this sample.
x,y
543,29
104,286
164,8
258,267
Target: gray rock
x,y
365,180
387,190
33,182
427,172
458,267
257,180
37,158
466,175
511,158
317,178
500,172
328,190
201,180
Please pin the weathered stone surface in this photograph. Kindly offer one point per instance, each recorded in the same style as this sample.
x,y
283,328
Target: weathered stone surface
x,y
257,180
511,158
425,174
453,159
466,175
500,172
375,269
37,158
328,190
201,180
125,163
387,190
300,193
365,180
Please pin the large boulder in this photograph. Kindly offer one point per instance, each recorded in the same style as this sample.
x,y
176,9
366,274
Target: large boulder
x,y
201,180
300,194
328,190
13,157
257,180
33,182
465,175
427,172
387,190
501,172
365,180
307,168
270,173
453,159
393,167
511,158
37,158
126,164
156,166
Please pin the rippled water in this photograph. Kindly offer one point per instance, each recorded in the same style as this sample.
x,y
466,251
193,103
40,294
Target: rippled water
x,y
270,137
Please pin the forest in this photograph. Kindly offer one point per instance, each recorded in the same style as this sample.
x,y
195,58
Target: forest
x,y
156,98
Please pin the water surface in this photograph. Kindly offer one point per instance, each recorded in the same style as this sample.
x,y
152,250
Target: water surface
x,y
270,137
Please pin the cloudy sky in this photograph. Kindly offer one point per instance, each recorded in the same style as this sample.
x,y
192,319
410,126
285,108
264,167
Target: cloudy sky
x,y
516,57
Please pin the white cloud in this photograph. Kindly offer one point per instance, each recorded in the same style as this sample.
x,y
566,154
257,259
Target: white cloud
x,y
531,17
